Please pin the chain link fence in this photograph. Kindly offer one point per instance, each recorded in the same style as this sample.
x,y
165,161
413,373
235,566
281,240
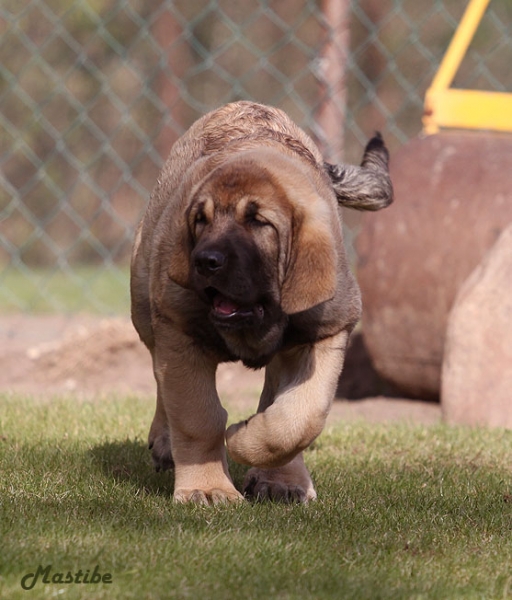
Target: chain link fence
x,y
94,92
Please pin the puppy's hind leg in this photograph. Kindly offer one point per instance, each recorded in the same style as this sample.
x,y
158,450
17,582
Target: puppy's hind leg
x,y
159,439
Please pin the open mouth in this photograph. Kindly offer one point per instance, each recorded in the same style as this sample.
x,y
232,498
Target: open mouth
x,y
228,310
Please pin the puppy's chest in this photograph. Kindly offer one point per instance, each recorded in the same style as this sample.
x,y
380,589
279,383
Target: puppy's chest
x,y
256,349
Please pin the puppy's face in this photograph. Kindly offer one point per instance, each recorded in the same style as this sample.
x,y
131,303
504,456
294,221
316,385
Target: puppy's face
x,y
239,221
256,245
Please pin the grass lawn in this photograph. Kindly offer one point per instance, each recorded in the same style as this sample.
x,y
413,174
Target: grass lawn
x,y
403,512
96,289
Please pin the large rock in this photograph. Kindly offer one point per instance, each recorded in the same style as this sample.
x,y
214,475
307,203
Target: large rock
x,y
477,366
453,197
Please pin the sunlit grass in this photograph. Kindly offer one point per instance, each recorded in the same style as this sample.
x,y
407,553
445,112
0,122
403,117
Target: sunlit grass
x,y
403,512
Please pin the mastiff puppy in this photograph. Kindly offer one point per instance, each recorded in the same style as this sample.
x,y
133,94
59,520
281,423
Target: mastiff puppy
x,y
240,257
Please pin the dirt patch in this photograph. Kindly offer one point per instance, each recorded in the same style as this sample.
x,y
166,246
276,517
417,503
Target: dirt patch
x,y
48,355
87,356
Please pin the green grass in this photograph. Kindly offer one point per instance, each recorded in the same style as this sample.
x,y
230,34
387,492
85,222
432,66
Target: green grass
x,y
96,289
403,512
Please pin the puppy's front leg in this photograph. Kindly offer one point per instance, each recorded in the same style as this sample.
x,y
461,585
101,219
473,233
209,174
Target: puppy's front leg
x,y
298,393
197,421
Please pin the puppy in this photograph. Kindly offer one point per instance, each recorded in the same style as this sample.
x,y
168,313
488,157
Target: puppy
x,y
240,256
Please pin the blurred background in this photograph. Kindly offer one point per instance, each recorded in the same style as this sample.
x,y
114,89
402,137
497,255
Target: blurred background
x,y
94,92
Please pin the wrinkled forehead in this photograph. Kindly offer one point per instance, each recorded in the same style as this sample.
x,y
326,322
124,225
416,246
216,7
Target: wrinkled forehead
x,y
234,181
244,184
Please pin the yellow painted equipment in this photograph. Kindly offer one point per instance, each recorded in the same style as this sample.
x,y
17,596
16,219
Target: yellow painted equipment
x,y
464,109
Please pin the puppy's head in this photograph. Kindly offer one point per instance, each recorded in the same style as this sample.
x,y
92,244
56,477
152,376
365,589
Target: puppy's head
x,y
258,241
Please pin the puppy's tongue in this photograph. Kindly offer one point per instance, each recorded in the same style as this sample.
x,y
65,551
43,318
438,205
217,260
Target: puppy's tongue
x,y
224,306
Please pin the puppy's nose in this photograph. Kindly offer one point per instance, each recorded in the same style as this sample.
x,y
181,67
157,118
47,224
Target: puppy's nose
x,y
208,262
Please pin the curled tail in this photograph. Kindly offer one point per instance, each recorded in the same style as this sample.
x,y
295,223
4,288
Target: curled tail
x,y
367,187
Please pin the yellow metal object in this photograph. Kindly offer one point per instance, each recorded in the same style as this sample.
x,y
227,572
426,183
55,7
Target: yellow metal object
x,y
466,109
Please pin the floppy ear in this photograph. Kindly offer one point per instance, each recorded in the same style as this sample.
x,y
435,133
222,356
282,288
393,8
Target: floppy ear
x,y
312,272
179,240
179,252
176,246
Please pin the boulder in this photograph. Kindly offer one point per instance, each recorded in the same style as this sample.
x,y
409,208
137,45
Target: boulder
x,y
477,366
453,197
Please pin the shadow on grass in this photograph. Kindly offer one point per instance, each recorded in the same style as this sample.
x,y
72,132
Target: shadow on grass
x,y
130,461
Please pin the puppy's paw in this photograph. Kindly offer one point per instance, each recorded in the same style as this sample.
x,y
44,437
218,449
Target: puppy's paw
x,y
207,497
260,488
160,446
257,442
289,484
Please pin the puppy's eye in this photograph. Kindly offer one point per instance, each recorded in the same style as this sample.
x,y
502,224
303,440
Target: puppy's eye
x,y
200,218
253,217
256,220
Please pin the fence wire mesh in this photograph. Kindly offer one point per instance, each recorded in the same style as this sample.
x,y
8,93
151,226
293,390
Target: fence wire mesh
x,y
94,92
